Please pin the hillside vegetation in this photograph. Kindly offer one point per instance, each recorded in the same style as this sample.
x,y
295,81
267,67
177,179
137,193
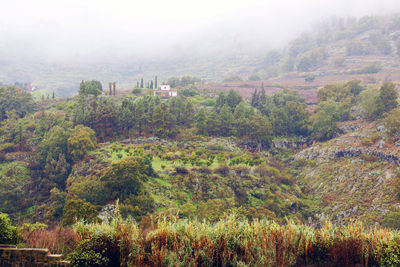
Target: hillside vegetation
x,y
127,178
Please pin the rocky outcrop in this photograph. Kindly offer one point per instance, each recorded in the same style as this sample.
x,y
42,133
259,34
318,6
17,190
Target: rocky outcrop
x,y
328,153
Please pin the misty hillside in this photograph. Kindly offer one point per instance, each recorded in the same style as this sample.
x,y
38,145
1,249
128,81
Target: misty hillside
x,y
336,49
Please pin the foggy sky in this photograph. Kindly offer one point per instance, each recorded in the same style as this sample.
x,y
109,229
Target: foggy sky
x,y
97,29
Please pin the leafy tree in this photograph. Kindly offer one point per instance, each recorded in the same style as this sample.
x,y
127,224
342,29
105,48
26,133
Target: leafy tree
x,y
226,121
81,140
12,181
76,210
220,102
53,145
368,102
324,122
233,99
213,124
57,203
57,171
137,91
90,88
392,123
84,110
387,99
125,177
260,131
105,119
91,190
391,219
14,98
201,121
126,118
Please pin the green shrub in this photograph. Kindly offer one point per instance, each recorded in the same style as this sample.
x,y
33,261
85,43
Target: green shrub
x,y
391,219
390,255
8,233
101,250
137,91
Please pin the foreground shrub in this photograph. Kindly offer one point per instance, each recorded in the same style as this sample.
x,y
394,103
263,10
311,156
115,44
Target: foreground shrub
x,y
101,250
8,233
98,246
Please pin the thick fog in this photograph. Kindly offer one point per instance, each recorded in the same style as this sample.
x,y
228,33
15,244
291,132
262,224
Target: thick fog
x,y
55,30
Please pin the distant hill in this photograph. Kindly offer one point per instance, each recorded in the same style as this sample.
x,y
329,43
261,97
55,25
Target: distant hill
x,y
337,49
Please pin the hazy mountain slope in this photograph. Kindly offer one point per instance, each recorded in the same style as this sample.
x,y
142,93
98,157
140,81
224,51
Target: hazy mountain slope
x,y
337,49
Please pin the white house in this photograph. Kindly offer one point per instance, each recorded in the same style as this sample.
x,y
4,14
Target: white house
x,y
165,91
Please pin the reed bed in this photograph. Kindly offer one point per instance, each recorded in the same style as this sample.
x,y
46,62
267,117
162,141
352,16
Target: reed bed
x,y
237,242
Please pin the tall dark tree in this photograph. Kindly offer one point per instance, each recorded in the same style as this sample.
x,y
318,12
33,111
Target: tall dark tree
x,y
201,122
263,96
226,121
254,98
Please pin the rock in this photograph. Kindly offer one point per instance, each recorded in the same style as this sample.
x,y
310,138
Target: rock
x,y
107,213
381,144
380,128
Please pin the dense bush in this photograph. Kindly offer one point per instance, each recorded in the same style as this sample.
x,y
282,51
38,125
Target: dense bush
x,y
8,233
100,250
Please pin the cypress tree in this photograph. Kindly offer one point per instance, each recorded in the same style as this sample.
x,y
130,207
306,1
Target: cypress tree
x,y
263,97
254,98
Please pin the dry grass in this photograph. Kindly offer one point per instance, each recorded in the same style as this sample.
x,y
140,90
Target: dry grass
x,y
236,242
57,240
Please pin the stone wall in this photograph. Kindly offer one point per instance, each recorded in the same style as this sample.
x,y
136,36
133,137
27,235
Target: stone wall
x,y
323,154
10,256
